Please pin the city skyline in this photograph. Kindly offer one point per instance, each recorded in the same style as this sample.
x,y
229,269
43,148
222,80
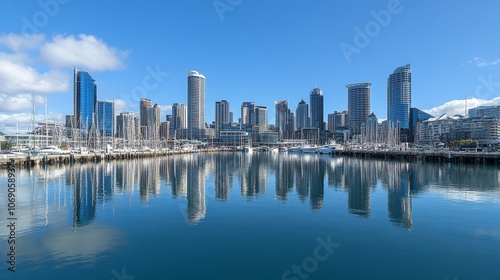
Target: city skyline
x,y
40,44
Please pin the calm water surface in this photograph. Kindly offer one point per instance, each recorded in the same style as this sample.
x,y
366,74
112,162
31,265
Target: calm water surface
x,y
260,216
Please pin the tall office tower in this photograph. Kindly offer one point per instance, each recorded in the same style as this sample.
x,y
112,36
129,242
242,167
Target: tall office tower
x,y
248,113
105,118
316,102
154,122
221,116
196,102
231,117
399,97
371,129
179,117
126,126
284,119
302,115
164,130
261,116
85,99
144,106
358,105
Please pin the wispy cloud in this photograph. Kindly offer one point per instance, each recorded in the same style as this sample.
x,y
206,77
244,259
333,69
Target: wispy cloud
x,y
457,107
481,62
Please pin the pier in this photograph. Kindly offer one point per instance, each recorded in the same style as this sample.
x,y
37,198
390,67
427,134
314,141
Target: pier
x,y
34,160
428,156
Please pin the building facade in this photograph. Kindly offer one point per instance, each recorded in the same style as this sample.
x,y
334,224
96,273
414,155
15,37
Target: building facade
x,y
284,119
85,99
196,103
302,115
399,97
316,101
105,118
221,116
358,106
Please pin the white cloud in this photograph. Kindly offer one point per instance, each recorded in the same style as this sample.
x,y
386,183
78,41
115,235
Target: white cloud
x,y
165,109
18,42
122,106
18,102
86,51
457,107
18,78
480,62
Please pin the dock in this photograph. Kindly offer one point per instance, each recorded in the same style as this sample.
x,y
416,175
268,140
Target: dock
x,y
74,158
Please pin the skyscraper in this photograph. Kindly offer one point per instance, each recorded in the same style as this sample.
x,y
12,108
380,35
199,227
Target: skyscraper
x,y
196,103
154,122
144,106
261,116
399,97
85,99
302,115
316,102
284,119
221,116
179,117
358,105
248,113
105,118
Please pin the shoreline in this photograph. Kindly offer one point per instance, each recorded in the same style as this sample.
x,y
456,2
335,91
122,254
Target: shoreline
x,y
424,156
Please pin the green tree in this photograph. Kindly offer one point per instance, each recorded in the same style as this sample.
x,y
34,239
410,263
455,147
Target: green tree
x,y
6,145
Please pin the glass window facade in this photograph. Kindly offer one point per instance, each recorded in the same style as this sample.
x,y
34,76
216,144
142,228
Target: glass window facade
x,y
105,113
85,92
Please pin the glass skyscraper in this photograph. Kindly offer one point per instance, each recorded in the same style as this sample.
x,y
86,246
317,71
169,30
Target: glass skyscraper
x,y
316,102
358,104
105,113
85,99
302,115
399,97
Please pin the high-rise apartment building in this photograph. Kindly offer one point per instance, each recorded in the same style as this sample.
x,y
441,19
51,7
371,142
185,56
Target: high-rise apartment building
x,y
144,106
316,101
248,113
358,105
105,118
85,99
221,116
284,119
302,115
261,116
399,97
196,103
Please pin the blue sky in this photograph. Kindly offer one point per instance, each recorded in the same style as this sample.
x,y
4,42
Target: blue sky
x,y
249,50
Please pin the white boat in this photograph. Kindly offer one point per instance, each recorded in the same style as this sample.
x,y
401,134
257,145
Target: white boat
x,y
295,149
52,150
283,149
248,149
274,150
309,149
330,148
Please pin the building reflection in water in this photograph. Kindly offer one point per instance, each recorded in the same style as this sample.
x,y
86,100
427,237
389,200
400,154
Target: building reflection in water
x,y
84,180
253,175
294,174
396,179
361,177
196,206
